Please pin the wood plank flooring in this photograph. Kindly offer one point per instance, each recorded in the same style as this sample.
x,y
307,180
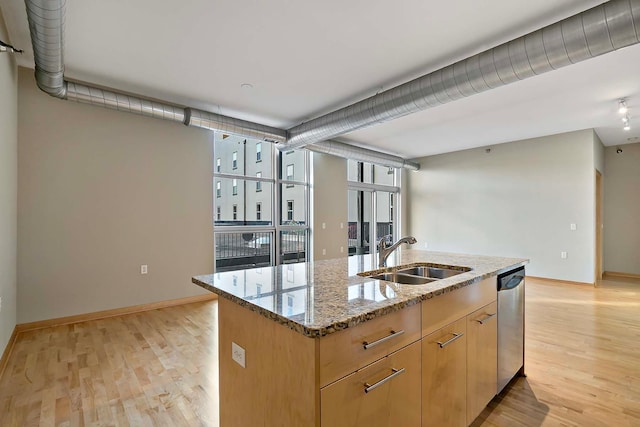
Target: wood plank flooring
x,y
159,368
582,358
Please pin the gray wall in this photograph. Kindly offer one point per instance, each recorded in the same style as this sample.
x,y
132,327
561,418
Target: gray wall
x,y
622,210
100,193
517,200
8,190
329,206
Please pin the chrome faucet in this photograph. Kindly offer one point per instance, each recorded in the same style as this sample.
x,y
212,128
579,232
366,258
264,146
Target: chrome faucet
x,y
384,251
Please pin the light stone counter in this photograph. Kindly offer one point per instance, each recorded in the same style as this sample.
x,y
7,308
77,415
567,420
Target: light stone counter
x,y
322,297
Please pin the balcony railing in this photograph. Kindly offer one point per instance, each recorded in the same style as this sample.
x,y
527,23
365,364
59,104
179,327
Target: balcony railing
x,y
247,250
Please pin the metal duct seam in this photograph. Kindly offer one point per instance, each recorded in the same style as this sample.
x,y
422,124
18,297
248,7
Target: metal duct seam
x,y
212,121
360,154
602,29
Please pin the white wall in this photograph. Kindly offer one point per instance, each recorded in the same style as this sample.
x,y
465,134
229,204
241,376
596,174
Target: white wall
x,y
517,200
8,190
329,206
622,210
102,192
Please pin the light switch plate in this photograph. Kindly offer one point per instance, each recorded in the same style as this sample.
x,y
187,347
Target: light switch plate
x,y
573,227
238,354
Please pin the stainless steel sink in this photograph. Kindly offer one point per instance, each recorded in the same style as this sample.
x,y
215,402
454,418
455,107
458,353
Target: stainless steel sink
x,y
431,272
415,274
405,279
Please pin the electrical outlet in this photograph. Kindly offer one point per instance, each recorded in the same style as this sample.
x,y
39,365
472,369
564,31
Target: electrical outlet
x,y
324,225
324,252
341,249
0,303
144,269
342,225
563,255
238,354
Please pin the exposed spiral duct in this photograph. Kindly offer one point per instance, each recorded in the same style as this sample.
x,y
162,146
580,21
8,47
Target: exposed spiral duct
x,y
602,29
46,24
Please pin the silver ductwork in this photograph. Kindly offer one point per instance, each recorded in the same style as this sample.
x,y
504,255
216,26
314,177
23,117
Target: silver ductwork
x,y
121,102
46,25
212,121
360,154
602,29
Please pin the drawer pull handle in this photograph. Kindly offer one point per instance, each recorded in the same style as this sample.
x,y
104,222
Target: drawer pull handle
x,y
449,341
394,373
393,334
482,321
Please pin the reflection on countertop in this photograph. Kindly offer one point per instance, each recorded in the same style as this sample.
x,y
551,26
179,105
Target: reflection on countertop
x,y
321,297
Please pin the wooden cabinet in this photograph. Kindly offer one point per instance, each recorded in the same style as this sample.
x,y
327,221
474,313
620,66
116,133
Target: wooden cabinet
x,y
459,354
430,364
383,394
482,356
444,361
346,351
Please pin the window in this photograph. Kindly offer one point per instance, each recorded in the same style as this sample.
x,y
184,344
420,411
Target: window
x,y
289,175
244,239
289,210
218,164
374,191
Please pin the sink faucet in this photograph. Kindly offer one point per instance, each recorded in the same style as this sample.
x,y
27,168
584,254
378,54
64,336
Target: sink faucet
x,y
384,251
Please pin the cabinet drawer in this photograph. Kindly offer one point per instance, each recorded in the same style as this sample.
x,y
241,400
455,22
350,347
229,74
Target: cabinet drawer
x,y
446,308
393,398
344,352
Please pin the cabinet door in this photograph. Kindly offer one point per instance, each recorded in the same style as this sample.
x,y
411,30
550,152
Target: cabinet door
x,y
391,399
482,359
444,372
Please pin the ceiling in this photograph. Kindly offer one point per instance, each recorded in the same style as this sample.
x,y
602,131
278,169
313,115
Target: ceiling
x,y
303,59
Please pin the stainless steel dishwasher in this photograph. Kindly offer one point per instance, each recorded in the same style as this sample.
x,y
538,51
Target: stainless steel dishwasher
x,y
510,326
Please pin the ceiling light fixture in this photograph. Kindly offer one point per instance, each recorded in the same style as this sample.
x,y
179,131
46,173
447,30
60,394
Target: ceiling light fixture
x,y
627,126
625,119
622,106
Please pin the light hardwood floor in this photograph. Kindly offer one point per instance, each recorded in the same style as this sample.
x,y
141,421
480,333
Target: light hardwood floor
x,y
159,368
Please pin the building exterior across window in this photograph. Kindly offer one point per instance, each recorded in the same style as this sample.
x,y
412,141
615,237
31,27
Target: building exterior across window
x,y
373,192
261,203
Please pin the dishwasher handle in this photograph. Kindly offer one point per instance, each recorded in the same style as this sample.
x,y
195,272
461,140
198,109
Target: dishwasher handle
x,y
511,280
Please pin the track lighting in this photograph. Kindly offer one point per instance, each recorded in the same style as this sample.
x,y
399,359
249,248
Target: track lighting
x,y
622,106
624,110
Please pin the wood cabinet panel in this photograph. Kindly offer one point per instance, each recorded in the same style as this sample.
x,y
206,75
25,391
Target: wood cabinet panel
x,y
343,352
446,308
444,371
395,402
277,386
482,359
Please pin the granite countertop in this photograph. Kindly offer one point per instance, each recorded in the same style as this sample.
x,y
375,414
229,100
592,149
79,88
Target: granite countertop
x,y
321,297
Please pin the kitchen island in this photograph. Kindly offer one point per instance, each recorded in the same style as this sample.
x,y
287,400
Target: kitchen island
x,y
316,343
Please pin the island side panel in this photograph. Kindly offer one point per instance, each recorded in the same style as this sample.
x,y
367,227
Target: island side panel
x,y
279,385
